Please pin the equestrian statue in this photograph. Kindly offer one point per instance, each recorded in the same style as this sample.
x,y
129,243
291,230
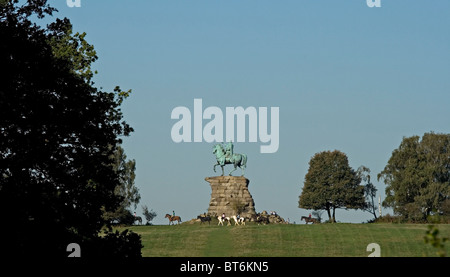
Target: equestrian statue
x,y
225,155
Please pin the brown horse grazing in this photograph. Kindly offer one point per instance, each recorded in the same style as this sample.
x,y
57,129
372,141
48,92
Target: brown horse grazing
x,y
310,219
173,218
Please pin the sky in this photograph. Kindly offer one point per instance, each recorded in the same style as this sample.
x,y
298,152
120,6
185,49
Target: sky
x,y
344,76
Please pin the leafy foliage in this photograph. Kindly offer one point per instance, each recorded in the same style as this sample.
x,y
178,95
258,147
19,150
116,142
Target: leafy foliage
x,y
125,244
432,237
56,132
370,191
149,215
125,189
72,47
331,184
418,176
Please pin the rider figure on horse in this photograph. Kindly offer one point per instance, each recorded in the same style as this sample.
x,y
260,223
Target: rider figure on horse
x,y
229,151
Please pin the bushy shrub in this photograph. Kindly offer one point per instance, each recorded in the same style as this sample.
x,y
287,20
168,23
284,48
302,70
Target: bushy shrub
x,y
125,244
388,219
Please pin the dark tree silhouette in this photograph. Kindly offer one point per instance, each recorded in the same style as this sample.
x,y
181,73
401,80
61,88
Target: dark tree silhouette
x,y
56,132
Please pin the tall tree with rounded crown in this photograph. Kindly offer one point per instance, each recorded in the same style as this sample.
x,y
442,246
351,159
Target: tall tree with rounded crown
x,y
331,184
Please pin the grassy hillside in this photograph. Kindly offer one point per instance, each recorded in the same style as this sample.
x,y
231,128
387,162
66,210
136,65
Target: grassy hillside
x,y
321,240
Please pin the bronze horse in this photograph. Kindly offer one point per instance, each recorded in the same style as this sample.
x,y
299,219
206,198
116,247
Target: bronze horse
x,y
173,218
310,219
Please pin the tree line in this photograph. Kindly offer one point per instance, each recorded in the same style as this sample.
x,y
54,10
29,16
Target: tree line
x,y
417,179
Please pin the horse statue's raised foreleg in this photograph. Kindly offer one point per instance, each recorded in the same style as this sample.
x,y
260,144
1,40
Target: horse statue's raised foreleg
x,y
220,166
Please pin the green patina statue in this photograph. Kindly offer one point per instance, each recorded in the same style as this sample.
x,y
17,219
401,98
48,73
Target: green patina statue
x,y
225,155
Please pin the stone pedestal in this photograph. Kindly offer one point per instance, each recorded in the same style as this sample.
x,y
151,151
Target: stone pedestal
x,y
230,195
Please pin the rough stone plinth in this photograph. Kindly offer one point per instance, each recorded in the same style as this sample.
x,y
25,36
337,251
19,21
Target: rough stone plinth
x,y
229,195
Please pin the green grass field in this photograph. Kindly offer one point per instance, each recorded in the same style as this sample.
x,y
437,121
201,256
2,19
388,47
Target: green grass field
x,y
321,240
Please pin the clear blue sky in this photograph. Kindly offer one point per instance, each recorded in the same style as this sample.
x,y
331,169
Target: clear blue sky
x,y
344,76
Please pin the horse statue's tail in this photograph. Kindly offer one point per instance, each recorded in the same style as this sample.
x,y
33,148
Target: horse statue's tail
x,y
244,160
